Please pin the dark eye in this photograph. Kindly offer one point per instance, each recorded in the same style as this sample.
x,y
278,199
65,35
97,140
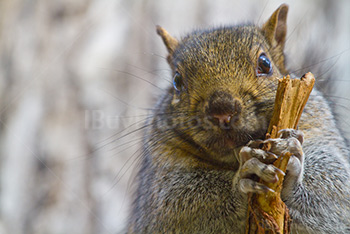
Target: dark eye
x,y
177,82
264,65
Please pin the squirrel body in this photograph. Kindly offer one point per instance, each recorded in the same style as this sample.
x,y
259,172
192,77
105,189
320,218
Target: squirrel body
x,y
192,177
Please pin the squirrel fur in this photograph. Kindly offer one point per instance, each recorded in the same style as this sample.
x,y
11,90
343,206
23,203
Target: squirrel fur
x,y
190,176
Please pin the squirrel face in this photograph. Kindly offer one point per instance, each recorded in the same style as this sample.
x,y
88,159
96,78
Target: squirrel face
x,y
225,82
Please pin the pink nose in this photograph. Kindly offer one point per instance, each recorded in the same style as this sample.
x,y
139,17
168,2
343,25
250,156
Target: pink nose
x,y
223,118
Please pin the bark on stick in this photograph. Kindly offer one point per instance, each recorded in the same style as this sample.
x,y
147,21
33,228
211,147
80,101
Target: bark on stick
x,y
267,213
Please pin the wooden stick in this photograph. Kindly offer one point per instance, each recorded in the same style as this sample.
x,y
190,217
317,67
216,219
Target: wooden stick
x,y
267,213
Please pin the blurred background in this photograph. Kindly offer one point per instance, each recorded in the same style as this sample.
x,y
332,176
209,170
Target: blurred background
x,y
77,80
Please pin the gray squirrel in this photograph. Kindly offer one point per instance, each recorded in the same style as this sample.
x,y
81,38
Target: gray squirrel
x,y
201,152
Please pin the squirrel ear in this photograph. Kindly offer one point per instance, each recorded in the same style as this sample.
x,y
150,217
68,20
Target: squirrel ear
x,y
169,41
275,29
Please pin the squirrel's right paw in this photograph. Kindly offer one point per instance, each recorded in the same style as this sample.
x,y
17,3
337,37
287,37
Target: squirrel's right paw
x,y
251,166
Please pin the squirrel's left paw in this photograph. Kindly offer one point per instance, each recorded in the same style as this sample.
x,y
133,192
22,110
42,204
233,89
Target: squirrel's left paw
x,y
290,141
258,162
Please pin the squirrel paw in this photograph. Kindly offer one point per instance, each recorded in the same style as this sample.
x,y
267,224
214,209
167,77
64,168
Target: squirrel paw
x,y
257,162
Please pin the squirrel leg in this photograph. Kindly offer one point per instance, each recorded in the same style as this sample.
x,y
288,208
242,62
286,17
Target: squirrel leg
x,y
257,162
264,171
252,165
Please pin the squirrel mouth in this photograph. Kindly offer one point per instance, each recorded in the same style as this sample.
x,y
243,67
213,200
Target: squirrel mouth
x,y
230,143
224,143
232,139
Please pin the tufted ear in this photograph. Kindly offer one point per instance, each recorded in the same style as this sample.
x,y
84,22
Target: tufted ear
x,y
169,41
275,29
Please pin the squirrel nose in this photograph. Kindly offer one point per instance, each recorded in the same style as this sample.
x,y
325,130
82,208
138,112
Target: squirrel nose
x,y
223,109
223,119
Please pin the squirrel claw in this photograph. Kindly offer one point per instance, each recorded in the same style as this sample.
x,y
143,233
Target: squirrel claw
x,y
251,186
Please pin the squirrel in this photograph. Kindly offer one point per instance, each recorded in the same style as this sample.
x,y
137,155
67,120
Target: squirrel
x,y
201,154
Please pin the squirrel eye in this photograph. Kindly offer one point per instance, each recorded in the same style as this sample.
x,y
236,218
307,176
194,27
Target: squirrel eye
x,y
264,65
177,82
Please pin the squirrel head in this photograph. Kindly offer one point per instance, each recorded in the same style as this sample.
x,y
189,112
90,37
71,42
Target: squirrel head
x,y
225,81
